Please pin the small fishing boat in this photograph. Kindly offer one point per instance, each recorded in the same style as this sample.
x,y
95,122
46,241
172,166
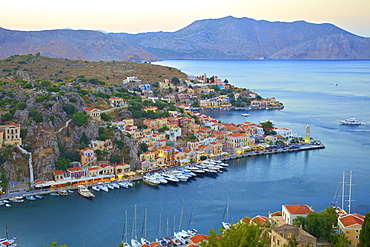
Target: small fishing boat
x,y
8,205
63,192
54,193
70,191
31,198
39,196
246,114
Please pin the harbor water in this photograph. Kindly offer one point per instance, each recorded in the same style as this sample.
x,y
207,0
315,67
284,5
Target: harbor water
x,y
315,93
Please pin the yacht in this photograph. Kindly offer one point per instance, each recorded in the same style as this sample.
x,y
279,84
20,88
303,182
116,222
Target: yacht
x,y
115,185
245,114
31,198
350,121
85,192
110,186
151,180
123,184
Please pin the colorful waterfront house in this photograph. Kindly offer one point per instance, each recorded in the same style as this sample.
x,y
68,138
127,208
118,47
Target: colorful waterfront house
x,y
93,113
237,141
12,134
119,125
121,169
146,165
280,236
106,169
92,171
290,212
87,155
116,102
198,239
148,156
190,155
351,225
168,153
58,175
216,147
284,132
75,172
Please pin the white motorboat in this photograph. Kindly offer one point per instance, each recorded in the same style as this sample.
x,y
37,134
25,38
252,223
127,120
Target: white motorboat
x,y
350,121
151,180
160,178
115,185
245,114
13,199
8,205
104,188
129,183
96,188
2,203
39,196
110,186
123,184
85,192
171,178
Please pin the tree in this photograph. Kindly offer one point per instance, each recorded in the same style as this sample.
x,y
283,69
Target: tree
x,y
69,109
105,117
292,242
45,83
365,232
63,163
241,234
84,138
268,128
80,118
203,157
319,224
20,105
143,147
7,117
339,240
114,159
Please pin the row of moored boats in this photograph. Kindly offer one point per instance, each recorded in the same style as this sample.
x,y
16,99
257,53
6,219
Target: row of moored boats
x,y
184,174
179,239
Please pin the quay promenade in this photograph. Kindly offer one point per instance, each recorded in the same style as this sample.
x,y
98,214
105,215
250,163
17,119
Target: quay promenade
x,y
293,148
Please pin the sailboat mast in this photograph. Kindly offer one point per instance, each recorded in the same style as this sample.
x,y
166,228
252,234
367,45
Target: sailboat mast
x,y
134,224
350,192
343,190
181,216
126,225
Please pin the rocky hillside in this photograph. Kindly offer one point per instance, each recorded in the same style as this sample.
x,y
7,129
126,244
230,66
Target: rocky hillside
x,y
44,105
224,38
244,38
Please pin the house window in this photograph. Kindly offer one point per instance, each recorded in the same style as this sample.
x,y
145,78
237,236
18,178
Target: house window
x,y
356,236
278,242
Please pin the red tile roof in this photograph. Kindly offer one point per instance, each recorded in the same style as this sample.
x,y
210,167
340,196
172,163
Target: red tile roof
x,y
88,109
58,172
236,135
276,213
260,219
349,220
12,126
198,238
75,169
298,209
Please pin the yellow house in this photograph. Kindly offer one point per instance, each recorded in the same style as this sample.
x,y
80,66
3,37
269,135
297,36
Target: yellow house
x,y
147,156
351,225
237,141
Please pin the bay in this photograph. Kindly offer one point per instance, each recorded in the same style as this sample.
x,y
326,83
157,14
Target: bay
x,y
255,185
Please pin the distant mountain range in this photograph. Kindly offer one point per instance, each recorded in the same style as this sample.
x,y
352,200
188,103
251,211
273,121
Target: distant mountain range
x,y
224,38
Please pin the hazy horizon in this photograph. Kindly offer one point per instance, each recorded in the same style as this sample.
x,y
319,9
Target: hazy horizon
x,y
169,16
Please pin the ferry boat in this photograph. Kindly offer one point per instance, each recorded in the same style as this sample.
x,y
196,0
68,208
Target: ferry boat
x,y
350,121
85,192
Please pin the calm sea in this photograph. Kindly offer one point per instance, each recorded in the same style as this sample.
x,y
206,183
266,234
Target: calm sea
x,y
255,185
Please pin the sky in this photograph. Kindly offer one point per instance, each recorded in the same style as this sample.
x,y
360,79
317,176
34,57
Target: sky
x,y
138,16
